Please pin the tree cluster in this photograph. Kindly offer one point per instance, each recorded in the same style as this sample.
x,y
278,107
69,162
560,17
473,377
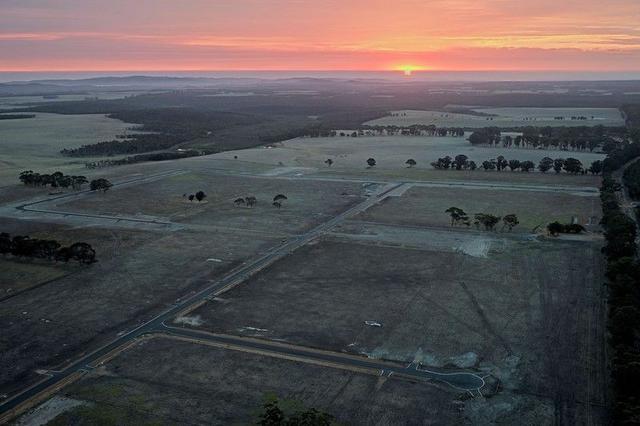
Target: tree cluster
x,y
275,412
556,228
631,179
568,165
623,273
23,246
199,196
487,221
156,156
53,180
580,138
412,130
100,184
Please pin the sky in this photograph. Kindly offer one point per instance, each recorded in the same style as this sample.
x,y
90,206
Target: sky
x,y
462,35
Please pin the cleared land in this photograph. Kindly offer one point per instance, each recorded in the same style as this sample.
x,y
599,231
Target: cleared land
x,y
138,275
494,313
391,153
35,143
505,117
168,381
426,207
308,203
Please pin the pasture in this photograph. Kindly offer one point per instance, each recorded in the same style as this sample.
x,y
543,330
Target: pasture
x,y
35,143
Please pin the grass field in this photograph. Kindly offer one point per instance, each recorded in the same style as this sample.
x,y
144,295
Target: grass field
x,y
390,152
505,117
426,206
35,143
308,203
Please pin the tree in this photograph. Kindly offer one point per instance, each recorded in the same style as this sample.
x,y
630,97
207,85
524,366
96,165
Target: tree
x,y
558,164
371,162
572,165
461,161
278,198
82,252
527,166
457,215
489,165
510,221
501,163
410,162
239,202
251,201
328,162
514,165
78,181
100,185
442,163
489,221
545,164
472,165
200,195
191,197
595,168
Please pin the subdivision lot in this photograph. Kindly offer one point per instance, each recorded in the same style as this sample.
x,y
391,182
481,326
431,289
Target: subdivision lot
x,y
527,312
172,382
308,202
138,275
505,117
426,206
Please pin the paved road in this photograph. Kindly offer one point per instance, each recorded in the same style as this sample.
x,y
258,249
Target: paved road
x,y
461,380
240,274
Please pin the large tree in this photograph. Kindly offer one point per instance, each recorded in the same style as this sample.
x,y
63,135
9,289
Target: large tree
x,y
457,215
100,185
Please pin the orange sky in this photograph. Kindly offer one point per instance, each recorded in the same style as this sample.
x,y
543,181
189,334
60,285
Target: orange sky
x,y
572,35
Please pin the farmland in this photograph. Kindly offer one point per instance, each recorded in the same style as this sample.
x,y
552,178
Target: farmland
x,y
35,143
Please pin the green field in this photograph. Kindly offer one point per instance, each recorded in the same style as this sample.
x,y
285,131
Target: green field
x,y
35,143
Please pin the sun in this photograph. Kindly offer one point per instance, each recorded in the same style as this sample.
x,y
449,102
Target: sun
x,y
408,70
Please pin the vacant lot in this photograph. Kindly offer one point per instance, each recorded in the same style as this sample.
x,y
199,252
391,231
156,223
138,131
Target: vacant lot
x,y
426,206
529,313
35,143
391,152
505,117
308,203
137,275
171,382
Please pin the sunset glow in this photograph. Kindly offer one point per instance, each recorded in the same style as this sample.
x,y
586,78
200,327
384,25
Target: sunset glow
x,y
319,35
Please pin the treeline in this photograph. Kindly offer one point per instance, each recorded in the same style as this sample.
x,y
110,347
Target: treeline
x,y
168,127
53,180
631,179
623,274
26,247
157,156
16,116
568,165
412,130
580,138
